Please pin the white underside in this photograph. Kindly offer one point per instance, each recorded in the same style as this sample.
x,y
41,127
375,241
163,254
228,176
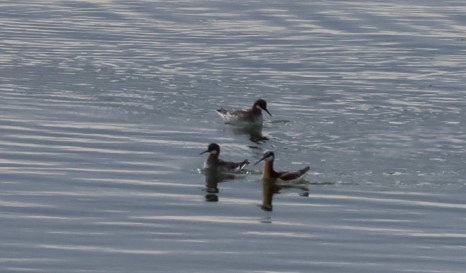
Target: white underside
x,y
239,119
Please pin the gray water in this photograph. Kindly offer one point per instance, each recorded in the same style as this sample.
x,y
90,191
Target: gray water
x,y
105,106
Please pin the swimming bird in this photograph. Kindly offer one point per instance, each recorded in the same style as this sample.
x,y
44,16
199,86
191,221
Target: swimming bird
x,y
252,115
270,173
214,162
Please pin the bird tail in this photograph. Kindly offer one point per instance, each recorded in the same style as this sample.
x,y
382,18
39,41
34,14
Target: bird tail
x,y
243,164
305,170
222,112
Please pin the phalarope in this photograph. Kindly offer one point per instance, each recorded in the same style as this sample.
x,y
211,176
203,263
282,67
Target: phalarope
x,y
270,173
213,161
252,115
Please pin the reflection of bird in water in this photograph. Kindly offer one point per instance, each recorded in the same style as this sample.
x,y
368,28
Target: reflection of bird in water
x,y
212,178
253,131
269,172
252,115
271,186
214,162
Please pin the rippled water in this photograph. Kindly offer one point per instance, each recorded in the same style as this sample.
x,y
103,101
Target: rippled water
x,y
105,106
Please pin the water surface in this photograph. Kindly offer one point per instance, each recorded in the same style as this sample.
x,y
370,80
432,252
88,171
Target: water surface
x,y
105,106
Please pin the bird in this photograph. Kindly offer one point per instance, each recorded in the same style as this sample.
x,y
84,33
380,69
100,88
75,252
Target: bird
x,y
213,162
270,173
251,115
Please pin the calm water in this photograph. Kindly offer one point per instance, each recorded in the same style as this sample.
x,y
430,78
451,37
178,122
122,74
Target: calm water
x,y
105,106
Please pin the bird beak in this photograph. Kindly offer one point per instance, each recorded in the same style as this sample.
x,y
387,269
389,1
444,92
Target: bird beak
x,y
259,160
206,151
267,112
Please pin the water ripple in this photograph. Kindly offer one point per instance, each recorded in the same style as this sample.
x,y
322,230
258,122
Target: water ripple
x,y
106,105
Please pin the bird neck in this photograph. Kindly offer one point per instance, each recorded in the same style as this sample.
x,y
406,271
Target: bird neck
x,y
213,158
269,172
256,110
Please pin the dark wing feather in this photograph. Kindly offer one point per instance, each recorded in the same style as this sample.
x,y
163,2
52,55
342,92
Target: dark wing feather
x,y
292,175
233,165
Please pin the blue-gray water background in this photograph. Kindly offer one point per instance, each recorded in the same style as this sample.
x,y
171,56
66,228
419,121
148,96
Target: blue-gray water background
x,y
105,106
